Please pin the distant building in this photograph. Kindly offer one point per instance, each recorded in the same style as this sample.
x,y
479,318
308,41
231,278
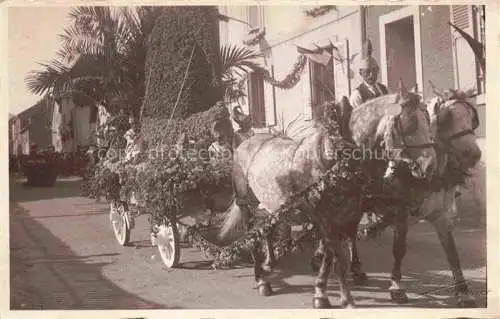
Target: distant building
x,y
74,118
33,125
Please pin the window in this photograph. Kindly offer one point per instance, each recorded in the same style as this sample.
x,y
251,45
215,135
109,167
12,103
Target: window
x,y
256,100
322,85
470,19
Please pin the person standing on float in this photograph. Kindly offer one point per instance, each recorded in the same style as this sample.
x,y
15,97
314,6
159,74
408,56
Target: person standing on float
x,y
369,89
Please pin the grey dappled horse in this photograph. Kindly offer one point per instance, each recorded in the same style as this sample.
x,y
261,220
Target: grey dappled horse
x,y
270,169
453,122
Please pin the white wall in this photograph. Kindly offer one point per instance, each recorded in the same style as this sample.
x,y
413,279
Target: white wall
x,y
286,27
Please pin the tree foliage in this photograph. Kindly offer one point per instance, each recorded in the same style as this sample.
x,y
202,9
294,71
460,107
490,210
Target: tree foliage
x,y
102,56
174,35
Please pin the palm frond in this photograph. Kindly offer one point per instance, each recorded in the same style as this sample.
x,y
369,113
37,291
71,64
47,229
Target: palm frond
x,y
54,76
235,59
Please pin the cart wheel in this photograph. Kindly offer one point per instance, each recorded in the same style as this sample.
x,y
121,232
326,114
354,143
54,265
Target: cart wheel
x,y
118,217
168,244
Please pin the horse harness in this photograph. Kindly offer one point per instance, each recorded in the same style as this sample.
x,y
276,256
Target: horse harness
x,y
475,120
452,175
407,146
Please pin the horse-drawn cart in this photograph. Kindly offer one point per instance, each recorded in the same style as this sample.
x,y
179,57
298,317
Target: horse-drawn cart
x,y
187,185
170,230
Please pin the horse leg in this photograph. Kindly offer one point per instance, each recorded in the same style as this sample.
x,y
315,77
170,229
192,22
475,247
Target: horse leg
x,y
399,251
465,300
260,273
341,264
270,259
317,258
320,299
359,277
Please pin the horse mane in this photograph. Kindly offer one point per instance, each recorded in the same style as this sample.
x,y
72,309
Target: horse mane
x,y
367,120
328,122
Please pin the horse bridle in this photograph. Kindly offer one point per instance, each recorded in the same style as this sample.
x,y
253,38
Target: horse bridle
x,y
407,146
446,142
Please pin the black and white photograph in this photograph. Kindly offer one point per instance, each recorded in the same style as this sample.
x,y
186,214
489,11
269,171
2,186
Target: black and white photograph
x,y
250,156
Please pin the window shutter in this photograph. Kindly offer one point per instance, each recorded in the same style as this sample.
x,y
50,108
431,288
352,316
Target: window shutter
x,y
342,69
464,59
269,100
256,100
322,80
307,92
461,17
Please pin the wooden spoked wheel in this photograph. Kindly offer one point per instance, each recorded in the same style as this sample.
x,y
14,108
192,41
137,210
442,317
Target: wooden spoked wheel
x,y
168,242
119,220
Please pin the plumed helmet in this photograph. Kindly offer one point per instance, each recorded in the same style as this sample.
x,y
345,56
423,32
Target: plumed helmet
x,y
367,60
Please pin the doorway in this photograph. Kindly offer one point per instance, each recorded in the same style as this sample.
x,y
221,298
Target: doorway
x,y
400,48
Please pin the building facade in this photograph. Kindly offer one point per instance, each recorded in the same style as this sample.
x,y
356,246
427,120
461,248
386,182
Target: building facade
x,y
61,124
414,43
312,29
32,126
421,35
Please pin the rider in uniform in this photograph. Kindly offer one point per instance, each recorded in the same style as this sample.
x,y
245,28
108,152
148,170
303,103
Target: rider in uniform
x,y
369,88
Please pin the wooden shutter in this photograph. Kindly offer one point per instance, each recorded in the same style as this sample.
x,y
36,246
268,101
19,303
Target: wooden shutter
x,y
342,69
466,71
256,99
479,14
322,85
461,17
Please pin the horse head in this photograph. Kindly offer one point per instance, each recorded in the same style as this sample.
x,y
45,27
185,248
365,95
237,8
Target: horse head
x,y
408,137
331,123
453,121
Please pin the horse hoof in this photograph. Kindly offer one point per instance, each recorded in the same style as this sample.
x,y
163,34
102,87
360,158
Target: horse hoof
x,y
467,303
399,296
347,304
360,279
321,303
265,289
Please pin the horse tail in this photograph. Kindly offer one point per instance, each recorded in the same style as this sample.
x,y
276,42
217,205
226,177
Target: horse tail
x,y
235,223
237,215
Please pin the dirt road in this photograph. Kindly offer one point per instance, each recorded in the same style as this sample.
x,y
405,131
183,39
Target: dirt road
x,y
64,256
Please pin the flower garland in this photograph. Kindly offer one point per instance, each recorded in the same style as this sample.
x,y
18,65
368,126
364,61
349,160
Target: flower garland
x,y
333,191
292,78
344,189
289,81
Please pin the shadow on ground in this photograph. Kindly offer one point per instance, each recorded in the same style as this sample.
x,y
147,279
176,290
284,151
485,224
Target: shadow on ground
x,y
51,276
68,187
426,274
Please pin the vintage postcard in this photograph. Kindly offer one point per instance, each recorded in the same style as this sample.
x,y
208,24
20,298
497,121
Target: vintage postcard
x,y
263,159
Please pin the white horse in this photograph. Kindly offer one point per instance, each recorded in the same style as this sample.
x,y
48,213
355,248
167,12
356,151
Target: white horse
x,y
453,122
